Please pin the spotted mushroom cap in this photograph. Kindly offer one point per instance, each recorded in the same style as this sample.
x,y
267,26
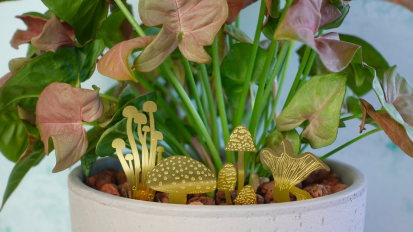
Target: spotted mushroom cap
x,y
181,174
227,178
240,140
246,196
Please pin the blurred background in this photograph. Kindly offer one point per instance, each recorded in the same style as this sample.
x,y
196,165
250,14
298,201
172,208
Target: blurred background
x,y
40,203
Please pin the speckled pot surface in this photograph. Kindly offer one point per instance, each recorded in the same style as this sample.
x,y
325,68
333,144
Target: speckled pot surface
x,y
92,210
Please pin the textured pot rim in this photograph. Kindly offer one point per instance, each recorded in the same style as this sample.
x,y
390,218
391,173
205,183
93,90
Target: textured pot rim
x,y
357,188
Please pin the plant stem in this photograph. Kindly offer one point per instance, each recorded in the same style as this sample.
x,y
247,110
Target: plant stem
x,y
102,95
258,100
192,86
349,143
237,22
250,69
180,90
307,68
220,96
211,105
298,76
360,115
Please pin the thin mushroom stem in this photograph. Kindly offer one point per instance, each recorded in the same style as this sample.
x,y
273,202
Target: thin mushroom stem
x,y
228,197
159,157
153,141
177,198
134,149
142,139
240,170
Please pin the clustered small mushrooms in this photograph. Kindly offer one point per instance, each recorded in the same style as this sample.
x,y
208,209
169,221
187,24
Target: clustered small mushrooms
x,y
179,176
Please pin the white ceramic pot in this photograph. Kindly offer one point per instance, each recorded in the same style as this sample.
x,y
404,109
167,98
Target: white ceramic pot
x,y
92,210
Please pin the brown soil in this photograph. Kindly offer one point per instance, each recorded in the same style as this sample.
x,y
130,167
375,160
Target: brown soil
x,y
318,184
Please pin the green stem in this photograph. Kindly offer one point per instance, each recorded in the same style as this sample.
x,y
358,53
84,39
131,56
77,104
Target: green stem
x,y
211,105
250,69
130,18
180,90
258,99
192,86
102,95
237,22
303,148
349,143
307,68
220,96
298,76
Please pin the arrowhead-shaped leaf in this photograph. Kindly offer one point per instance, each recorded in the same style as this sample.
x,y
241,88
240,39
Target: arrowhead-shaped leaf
x,y
189,24
115,63
67,65
396,131
60,112
274,139
318,101
34,28
85,16
53,36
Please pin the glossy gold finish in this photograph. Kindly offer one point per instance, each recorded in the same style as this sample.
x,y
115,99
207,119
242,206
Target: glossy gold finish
x,y
181,175
135,170
227,178
240,140
246,196
288,170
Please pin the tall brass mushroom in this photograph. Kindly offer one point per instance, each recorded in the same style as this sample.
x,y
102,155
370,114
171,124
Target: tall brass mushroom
x,y
240,140
227,178
140,190
288,170
180,175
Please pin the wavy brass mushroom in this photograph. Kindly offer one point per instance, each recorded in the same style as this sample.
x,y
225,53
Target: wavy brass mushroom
x,y
246,196
240,140
288,170
227,178
180,175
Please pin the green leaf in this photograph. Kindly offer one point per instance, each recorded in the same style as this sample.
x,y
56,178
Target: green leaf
x,y
85,16
237,34
319,102
13,139
90,157
234,69
114,29
269,28
127,94
20,170
274,139
104,145
137,102
67,65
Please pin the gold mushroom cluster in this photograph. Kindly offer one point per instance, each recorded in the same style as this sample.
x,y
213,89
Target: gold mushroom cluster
x,y
137,170
179,176
288,170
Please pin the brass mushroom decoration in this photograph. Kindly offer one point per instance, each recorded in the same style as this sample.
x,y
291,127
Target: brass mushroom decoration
x,y
246,196
227,178
131,163
289,169
240,140
181,175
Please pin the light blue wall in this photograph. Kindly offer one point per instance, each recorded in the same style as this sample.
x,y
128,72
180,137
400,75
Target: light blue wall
x,y
41,204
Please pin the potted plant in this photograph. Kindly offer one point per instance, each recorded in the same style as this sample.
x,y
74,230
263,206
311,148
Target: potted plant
x,y
199,92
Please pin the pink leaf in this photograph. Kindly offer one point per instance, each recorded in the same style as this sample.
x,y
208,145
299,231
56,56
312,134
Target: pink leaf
x,y
336,55
35,27
234,7
53,36
115,63
189,24
302,22
60,111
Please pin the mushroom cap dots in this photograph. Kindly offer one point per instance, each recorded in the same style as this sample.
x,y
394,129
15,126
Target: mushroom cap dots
x,y
240,140
130,112
181,174
246,196
150,106
227,178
